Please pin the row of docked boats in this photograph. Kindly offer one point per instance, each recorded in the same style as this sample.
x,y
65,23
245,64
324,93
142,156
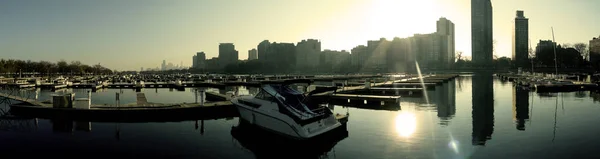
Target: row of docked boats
x,y
550,84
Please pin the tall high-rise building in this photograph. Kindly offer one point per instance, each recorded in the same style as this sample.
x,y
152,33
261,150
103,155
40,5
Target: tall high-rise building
x,y
377,52
358,56
194,61
520,50
263,49
308,53
282,55
429,49
163,67
252,54
595,52
544,45
445,29
200,60
227,54
481,32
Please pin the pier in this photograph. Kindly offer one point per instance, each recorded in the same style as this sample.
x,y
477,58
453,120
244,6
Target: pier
x,y
141,111
382,93
366,92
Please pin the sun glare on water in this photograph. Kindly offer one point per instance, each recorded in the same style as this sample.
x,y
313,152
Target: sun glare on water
x,y
406,124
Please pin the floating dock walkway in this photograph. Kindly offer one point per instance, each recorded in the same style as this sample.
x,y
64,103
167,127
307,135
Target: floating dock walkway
x,y
141,111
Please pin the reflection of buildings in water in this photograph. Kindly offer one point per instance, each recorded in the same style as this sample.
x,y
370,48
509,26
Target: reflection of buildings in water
x,y
580,94
483,108
68,126
445,101
83,126
520,107
201,126
595,96
10,123
59,125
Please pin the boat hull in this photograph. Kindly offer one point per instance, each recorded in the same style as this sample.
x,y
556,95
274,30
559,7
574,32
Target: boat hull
x,y
284,125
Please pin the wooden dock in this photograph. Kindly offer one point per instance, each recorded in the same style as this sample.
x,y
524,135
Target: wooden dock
x,y
383,92
354,98
141,111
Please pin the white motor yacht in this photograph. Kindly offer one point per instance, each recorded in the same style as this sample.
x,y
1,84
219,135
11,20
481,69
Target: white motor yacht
x,y
281,109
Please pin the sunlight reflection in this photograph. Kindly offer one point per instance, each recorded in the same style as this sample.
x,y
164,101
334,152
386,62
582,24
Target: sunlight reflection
x,y
406,124
453,145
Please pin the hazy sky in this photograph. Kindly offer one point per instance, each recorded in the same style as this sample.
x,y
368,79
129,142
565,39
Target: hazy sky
x,y
129,34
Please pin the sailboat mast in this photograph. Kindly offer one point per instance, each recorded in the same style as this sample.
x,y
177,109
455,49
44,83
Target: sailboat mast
x,y
555,61
531,56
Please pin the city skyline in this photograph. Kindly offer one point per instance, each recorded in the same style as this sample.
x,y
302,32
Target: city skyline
x,y
97,32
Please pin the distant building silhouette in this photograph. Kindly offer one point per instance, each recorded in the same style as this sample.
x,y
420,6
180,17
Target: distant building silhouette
x,y
252,54
194,61
433,50
282,56
332,58
543,45
430,50
445,29
227,54
377,50
359,56
308,53
200,60
595,52
263,48
481,32
520,50
213,64
163,67
399,57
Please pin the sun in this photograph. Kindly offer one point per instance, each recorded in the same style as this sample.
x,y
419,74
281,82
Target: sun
x,y
402,18
406,124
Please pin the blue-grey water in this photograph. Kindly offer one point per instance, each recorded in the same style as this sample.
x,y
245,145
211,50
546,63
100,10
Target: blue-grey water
x,y
472,117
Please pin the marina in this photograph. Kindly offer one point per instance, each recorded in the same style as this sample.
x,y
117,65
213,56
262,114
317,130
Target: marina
x,y
369,94
551,83
469,122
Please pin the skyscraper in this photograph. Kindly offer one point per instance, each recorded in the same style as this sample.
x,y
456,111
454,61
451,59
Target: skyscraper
x,y
308,53
200,60
263,48
445,29
481,32
595,52
252,54
194,61
520,40
163,67
227,54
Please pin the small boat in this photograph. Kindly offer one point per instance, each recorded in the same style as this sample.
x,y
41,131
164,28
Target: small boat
x,y
281,109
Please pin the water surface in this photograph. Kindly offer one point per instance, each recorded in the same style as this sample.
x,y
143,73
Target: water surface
x,y
470,117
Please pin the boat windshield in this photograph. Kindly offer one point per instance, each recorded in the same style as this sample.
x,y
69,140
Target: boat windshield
x,y
288,96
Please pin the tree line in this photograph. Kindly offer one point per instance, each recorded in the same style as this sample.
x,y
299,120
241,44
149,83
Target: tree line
x,y
11,66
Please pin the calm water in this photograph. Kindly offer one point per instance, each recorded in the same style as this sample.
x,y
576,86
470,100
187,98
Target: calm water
x,y
473,117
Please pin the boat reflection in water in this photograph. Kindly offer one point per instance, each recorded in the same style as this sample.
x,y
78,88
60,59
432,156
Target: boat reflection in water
x,y
267,144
